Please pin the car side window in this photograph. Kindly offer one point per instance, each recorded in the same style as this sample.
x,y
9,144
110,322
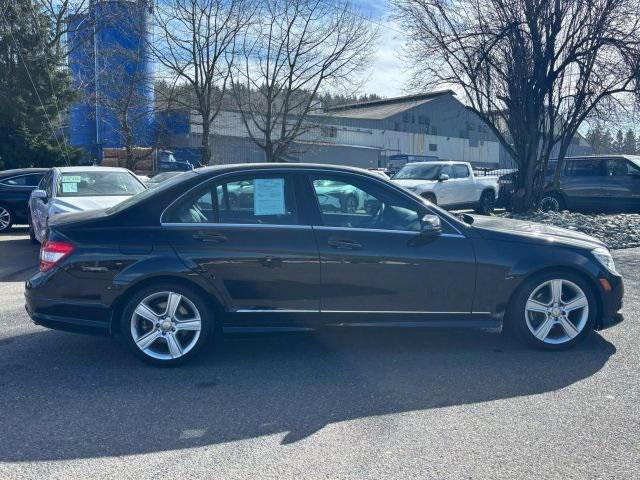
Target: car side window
x,y
257,200
246,200
583,168
460,171
360,204
447,170
46,184
617,167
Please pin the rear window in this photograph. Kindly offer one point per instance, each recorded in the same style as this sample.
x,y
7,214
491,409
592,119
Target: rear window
x,y
98,184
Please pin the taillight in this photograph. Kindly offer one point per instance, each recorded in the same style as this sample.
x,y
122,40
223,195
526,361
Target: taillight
x,y
53,252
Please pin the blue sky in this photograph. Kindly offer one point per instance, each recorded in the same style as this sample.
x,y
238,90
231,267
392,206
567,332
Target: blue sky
x,y
387,76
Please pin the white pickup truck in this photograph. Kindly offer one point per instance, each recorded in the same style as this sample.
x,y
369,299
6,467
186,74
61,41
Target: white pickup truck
x,y
449,184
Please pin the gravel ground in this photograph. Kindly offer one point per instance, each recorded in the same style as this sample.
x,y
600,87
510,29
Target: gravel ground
x,y
616,231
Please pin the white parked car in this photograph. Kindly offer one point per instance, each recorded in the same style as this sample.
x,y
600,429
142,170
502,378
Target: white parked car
x,y
449,184
77,189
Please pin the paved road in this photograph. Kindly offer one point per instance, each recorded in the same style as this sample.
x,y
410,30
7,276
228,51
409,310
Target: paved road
x,y
333,405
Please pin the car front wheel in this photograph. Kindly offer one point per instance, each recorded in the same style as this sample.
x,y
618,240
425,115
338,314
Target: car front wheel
x,y
554,311
6,219
166,324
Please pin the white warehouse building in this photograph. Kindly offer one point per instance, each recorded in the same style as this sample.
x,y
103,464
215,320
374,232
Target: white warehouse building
x,y
366,134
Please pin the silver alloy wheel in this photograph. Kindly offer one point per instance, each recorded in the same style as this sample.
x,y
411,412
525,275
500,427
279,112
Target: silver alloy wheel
x,y
5,218
166,325
557,311
549,204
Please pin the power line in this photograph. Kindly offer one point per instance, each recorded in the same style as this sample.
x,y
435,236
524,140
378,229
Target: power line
x,y
35,89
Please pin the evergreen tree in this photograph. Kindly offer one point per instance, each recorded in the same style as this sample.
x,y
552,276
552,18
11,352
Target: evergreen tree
x,y
34,90
618,146
630,143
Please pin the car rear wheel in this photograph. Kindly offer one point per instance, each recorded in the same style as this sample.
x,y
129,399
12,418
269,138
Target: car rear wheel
x,y
554,311
6,218
487,203
166,324
551,202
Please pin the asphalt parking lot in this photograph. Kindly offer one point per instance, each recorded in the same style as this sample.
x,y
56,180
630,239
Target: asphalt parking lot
x,y
337,404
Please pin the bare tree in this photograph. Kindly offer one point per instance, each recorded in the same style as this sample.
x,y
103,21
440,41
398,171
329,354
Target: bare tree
x,y
293,50
533,70
195,46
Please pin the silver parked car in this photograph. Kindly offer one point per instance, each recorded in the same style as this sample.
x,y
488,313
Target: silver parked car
x,y
77,189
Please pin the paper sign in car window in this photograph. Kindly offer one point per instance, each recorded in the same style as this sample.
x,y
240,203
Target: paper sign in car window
x,y
268,196
71,179
68,187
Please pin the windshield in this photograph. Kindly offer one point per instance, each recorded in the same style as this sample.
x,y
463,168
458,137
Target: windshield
x,y
418,172
98,184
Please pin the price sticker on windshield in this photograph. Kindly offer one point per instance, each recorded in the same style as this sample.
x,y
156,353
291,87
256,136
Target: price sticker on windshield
x,y
71,179
68,187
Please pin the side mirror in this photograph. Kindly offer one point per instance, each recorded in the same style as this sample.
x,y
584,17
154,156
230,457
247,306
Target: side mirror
x,y
41,194
430,225
443,177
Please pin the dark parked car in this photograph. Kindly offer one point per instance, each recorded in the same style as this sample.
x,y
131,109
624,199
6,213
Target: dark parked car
x,y
606,183
15,189
170,267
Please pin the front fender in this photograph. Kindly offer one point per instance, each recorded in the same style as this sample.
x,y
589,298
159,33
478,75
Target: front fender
x,y
503,266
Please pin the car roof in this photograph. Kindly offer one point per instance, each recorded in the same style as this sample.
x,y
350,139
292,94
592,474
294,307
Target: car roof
x,y
21,171
240,167
91,168
437,162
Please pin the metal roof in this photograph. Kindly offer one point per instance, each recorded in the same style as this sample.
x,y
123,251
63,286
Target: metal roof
x,y
380,109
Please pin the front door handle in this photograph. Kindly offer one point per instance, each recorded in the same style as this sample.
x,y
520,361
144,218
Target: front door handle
x,y
209,237
343,244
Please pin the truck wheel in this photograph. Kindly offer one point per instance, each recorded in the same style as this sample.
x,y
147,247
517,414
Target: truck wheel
x,y
486,203
430,197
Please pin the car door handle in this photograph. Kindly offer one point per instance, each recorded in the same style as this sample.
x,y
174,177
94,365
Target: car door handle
x,y
343,244
209,237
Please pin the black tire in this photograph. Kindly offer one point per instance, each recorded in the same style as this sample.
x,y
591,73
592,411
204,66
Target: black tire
x,y
552,202
32,235
430,197
6,218
518,317
204,335
487,202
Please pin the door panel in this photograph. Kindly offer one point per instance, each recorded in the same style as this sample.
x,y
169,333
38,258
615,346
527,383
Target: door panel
x,y
582,183
374,259
384,271
254,267
244,233
621,184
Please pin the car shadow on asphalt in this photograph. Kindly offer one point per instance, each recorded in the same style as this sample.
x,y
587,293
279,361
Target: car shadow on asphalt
x,y
67,396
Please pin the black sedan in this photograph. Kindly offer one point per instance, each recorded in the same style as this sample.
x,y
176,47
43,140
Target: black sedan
x,y
15,189
169,268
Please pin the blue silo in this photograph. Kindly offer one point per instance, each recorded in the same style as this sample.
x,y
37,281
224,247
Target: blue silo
x,y
114,54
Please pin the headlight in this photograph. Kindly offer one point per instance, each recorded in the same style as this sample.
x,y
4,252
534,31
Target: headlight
x,y
604,257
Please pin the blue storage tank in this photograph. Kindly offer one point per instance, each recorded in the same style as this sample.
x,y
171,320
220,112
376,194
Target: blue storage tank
x,y
117,48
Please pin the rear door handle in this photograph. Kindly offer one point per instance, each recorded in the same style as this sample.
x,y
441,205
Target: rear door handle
x,y
209,237
343,244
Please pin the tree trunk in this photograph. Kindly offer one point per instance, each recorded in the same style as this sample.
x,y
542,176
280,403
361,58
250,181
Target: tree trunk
x,y
205,147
